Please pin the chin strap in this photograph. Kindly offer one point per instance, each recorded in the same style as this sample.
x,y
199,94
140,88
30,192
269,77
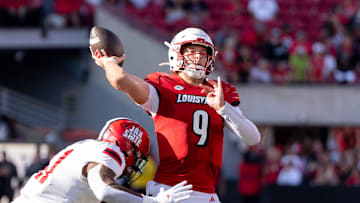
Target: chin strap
x,y
167,44
164,64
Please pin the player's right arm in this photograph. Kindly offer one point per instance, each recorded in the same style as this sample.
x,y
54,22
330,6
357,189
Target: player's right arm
x,y
135,87
101,180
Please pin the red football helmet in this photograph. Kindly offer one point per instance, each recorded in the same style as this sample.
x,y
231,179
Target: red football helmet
x,y
132,140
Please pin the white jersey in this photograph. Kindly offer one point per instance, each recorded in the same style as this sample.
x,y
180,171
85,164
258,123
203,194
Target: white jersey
x,y
62,179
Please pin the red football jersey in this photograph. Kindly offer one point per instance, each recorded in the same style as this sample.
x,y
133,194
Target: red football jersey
x,y
189,132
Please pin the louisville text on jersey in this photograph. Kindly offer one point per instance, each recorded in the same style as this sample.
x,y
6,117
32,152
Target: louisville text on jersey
x,y
188,98
134,134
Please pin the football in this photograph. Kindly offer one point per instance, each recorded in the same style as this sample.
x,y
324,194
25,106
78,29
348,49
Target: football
x,y
101,38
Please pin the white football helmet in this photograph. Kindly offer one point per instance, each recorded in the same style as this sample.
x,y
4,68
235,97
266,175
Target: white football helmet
x,y
194,36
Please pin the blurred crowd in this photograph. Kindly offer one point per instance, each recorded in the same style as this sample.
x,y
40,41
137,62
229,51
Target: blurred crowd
x,y
8,177
259,41
312,161
289,51
10,181
268,41
47,13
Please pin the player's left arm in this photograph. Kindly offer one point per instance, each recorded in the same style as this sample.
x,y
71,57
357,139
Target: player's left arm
x,y
101,180
232,115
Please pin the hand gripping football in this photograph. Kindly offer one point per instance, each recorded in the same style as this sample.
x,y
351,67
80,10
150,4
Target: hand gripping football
x,y
101,38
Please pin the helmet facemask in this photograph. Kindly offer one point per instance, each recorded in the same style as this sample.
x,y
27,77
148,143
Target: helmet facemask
x,y
179,62
133,171
192,63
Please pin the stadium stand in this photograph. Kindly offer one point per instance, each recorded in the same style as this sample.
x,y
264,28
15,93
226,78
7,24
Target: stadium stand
x,y
320,21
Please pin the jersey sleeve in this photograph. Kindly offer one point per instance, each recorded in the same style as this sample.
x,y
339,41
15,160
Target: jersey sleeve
x,y
111,157
153,79
230,94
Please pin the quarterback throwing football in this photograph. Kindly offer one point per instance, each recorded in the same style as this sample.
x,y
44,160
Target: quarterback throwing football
x,y
189,111
86,171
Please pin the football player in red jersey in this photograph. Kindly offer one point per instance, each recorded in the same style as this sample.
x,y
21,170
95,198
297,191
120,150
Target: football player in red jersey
x,y
189,111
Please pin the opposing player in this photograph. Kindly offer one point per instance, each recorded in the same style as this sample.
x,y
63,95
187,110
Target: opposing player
x,y
189,113
87,170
